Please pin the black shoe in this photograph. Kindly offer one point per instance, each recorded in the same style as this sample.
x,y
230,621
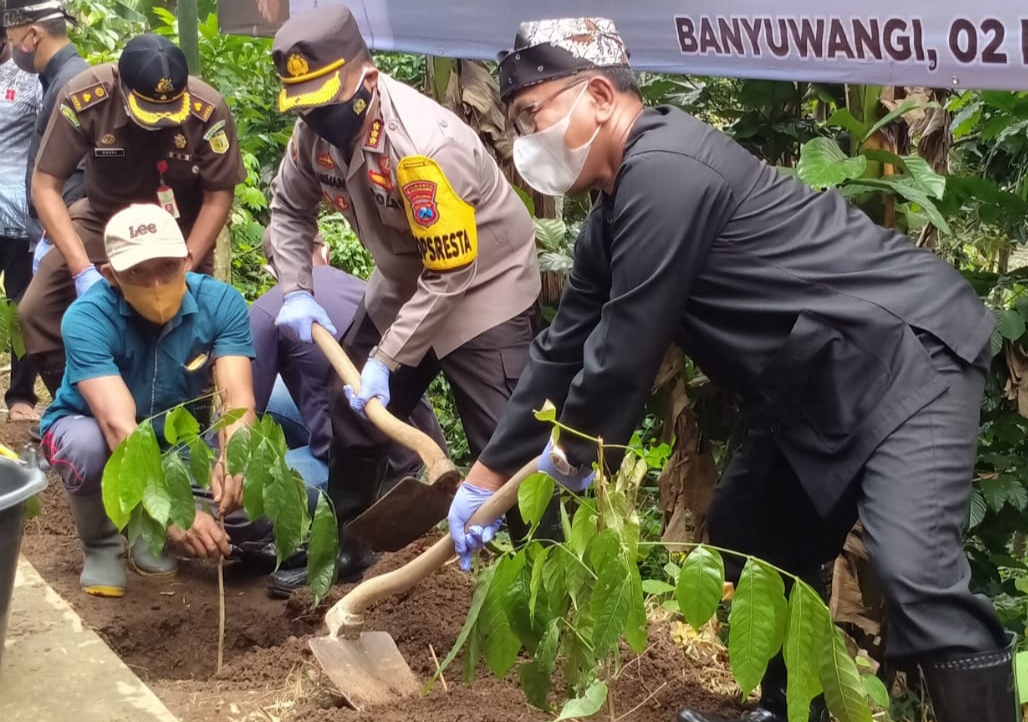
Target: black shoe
x,y
979,687
354,558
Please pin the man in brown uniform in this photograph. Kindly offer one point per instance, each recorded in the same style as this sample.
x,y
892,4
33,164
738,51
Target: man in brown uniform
x,y
456,271
149,133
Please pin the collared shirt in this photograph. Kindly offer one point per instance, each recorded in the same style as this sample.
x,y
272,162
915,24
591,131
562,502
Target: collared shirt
x,y
162,366
415,190
123,160
20,96
65,64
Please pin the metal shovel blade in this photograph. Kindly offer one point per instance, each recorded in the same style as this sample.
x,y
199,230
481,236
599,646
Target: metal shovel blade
x,y
406,513
368,670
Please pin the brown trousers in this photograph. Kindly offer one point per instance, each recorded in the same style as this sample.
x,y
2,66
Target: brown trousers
x,y
52,290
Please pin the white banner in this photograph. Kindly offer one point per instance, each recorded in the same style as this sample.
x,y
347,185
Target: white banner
x,y
937,43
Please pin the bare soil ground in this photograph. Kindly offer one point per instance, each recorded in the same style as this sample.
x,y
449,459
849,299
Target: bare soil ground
x,y
167,632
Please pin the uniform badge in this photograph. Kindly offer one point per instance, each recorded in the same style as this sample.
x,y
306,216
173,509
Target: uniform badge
x,y
297,65
374,139
107,139
337,201
217,138
219,143
382,178
325,161
180,141
420,194
70,115
359,106
163,87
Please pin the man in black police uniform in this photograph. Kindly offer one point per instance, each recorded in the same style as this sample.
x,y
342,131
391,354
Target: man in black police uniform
x,y
860,359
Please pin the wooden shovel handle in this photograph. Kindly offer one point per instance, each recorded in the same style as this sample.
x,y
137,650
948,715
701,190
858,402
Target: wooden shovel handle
x,y
348,612
434,459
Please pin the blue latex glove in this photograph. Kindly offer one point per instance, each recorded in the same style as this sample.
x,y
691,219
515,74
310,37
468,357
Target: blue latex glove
x,y
374,384
576,482
299,312
465,503
85,279
42,248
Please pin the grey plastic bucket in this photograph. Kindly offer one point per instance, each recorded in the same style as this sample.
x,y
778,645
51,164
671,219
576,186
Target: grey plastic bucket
x,y
17,484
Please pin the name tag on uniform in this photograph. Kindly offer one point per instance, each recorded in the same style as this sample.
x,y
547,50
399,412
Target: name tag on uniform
x,y
108,152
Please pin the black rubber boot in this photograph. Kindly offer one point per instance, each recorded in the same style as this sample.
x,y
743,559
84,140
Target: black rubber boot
x,y
974,688
354,558
773,706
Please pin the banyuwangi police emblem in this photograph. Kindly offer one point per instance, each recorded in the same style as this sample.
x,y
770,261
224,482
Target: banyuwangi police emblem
x,y
296,65
421,196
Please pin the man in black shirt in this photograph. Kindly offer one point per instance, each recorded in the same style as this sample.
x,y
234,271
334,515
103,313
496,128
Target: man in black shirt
x,y
860,360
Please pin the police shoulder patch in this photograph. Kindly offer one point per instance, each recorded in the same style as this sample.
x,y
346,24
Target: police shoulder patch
x,y
70,115
442,223
90,96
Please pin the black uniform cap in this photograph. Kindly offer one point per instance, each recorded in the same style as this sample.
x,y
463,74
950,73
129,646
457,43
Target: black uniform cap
x,y
155,76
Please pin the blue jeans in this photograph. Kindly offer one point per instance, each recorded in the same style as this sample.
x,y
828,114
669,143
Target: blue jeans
x,y
284,411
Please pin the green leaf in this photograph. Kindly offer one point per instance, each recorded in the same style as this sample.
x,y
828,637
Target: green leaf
x,y
604,550
322,551
905,187
537,675
823,164
583,529
843,118
550,234
609,604
925,176
844,692
903,108
280,506
636,633
548,412
477,600
180,492
755,628
231,416
1021,669
534,496
32,507
700,585
876,691
538,567
110,487
152,532
656,586
1010,324
258,477
201,457
238,452
588,704
156,500
978,509
499,643
127,475
180,425
806,636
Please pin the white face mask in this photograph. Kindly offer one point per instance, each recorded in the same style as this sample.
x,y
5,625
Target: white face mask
x,y
545,161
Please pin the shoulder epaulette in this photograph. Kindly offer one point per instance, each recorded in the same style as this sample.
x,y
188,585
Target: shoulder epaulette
x,y
200,107
90,96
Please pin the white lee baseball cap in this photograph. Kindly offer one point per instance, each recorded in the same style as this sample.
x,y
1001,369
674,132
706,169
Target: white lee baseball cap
x,y
141,232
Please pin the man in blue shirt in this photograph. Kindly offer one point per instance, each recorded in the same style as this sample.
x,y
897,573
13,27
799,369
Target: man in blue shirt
x,y
150,338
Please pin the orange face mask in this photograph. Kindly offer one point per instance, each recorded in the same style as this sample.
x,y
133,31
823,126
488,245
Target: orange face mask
x,y
157,304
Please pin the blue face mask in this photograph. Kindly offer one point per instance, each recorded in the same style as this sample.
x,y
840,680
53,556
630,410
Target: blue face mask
x,y
340,123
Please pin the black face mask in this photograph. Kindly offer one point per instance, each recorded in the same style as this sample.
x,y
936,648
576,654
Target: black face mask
x,y
340,123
